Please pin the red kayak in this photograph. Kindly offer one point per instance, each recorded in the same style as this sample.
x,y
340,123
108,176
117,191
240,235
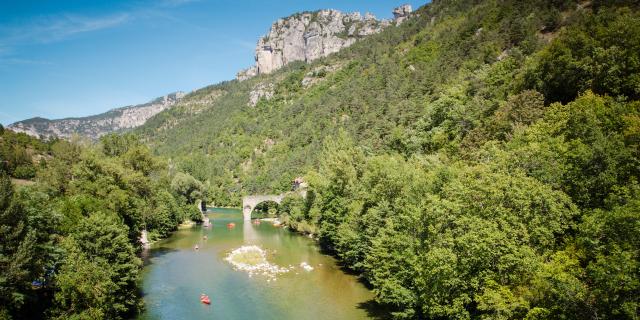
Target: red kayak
x,y
205,299
231,225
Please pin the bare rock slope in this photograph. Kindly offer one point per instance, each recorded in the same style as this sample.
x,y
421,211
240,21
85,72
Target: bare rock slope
x,y
95,126
311,35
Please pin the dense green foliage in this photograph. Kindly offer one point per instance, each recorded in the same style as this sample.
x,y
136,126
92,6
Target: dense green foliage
x,y
489,238
479,161
20,153
70,240
428,85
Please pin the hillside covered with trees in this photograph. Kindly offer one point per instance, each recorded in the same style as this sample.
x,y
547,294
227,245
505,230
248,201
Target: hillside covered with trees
x,y
21,154
478,161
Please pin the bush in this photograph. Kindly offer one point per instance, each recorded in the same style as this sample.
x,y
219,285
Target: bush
x,y
24,172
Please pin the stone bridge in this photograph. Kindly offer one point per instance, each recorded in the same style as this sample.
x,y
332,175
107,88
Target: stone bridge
x,y
250,202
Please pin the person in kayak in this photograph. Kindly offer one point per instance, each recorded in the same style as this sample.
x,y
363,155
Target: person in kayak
x,y
204,299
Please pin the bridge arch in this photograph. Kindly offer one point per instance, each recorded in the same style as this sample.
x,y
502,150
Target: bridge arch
x,y
250,202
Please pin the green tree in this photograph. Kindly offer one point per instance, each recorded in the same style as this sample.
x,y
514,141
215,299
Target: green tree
x,y
611,242
17,251
188,187
85,286
99,244
592,55
117,144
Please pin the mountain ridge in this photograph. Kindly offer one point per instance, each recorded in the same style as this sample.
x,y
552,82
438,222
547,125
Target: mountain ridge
x,y
95,126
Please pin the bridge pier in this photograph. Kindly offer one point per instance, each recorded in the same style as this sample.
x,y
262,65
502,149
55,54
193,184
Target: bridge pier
x,y
246,212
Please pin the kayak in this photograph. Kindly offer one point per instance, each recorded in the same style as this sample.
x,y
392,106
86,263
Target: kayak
x,y
231,225
205,300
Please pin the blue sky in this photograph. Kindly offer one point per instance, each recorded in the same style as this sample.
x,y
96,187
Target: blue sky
x,y
76,57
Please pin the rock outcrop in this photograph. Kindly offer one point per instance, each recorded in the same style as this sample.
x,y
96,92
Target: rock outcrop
x,y
96,126
401,13
311,35
260,91
247,73
308,36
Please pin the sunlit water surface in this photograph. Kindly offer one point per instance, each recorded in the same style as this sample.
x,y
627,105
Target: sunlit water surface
x,y
175,275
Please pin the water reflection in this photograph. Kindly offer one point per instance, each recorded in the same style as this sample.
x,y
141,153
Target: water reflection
x,y
249,233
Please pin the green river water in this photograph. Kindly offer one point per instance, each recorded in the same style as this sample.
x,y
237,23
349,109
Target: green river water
x,y
175,275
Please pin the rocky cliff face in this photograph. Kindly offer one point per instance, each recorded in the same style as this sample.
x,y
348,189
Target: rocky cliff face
x,y
312,35
401,13
98,125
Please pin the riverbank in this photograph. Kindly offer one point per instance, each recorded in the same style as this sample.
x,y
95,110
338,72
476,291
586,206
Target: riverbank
x,y
147,239
187,224
302,228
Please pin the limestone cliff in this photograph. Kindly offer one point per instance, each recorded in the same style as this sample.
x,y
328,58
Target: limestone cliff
x,y
311,35
97,125
401,13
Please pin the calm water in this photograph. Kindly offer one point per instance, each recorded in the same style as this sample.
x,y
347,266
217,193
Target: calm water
x,y
175,275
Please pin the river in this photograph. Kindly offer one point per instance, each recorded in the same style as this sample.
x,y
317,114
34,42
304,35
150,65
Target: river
x,y
175,275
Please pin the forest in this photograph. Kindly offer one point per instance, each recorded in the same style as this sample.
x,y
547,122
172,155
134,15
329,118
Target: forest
x,y
479,161
70,235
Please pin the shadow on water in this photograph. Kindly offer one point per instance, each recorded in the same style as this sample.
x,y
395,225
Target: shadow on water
x,y
147,254
375,310
344,268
